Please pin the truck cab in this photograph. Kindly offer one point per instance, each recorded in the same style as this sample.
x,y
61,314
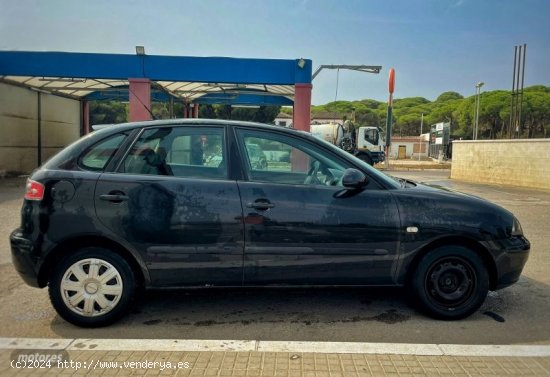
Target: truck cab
x,y
370,144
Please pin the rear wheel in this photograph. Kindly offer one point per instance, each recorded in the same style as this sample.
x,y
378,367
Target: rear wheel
x,y
92,287
450,282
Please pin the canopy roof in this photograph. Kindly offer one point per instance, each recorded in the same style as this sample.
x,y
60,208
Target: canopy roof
x,y
193,79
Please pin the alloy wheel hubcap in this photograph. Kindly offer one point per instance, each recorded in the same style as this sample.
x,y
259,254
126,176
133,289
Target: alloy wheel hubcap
x,y
91,287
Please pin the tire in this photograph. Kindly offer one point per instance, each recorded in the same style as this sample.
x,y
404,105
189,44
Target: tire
x,y
81,297
365,158
450,282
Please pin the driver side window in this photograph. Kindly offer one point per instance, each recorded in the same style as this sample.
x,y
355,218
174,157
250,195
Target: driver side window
x,y
371,136
277,158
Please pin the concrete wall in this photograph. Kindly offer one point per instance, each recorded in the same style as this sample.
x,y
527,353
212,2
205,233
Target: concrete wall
x,y
523,162
59,126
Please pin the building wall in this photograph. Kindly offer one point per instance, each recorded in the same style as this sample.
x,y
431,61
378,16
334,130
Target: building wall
x,y
523,162
412,148
59,126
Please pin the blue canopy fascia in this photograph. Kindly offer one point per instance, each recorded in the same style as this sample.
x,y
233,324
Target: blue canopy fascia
x,y
156,68
228,98
123,95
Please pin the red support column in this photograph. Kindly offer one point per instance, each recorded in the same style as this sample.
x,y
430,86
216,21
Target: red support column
x,y
302,107
140,99
85,118
195,110
301,121
185,110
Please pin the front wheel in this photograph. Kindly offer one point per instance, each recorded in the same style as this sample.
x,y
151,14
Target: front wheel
x,y
450,282
365,158
93,287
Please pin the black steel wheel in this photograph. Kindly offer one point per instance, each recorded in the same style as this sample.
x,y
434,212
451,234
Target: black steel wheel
x,y
450,282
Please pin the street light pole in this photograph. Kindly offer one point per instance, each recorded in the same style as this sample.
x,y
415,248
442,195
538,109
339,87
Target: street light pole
x,y
475,117
478,93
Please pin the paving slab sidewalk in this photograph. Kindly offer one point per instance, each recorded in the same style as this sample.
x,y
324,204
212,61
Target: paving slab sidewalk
x,y
253,363
177,357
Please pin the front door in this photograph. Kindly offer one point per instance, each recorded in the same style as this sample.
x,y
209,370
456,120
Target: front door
x,y
402,152
298,230
172,201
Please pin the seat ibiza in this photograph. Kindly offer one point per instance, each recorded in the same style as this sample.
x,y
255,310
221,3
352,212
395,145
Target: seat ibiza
x,y
185,203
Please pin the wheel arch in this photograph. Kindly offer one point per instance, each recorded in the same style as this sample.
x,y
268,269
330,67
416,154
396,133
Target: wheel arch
x,y
72,244
367,154
469,243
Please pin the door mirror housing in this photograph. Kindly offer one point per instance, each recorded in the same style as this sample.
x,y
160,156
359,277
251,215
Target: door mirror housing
x,y
354,179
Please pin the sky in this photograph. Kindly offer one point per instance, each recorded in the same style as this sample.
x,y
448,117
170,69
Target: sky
x,y
433,45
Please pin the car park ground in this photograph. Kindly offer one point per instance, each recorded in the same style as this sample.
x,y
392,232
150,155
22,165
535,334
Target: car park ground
x,y
323,332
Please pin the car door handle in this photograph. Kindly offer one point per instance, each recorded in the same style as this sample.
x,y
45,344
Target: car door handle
x,y
261,205
115,198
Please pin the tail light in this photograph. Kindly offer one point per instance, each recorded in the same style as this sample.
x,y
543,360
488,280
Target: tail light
x,y
34,190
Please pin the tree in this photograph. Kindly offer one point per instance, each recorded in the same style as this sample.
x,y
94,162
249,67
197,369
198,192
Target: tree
x,y
367,118
108,112
494,117
448,96
491,125
263,114
207,112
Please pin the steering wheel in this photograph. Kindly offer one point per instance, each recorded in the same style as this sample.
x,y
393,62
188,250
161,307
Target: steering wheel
x,y
312,178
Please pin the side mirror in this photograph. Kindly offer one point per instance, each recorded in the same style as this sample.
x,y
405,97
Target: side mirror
x,y
354,179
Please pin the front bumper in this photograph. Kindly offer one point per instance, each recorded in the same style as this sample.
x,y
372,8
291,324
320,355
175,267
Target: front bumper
x,y
510,258
22,256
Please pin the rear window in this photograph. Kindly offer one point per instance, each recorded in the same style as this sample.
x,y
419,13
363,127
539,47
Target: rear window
x,y
98,155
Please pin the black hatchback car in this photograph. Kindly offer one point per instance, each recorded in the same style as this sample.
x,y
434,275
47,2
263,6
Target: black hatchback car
x,y
183,203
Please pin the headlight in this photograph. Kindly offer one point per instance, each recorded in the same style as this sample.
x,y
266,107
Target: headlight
x,y
516,228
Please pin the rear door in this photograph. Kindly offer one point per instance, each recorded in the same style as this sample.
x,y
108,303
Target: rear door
x,y
171,200
299,229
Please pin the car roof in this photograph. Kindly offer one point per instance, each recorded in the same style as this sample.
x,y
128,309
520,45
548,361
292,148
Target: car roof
x,y
189,121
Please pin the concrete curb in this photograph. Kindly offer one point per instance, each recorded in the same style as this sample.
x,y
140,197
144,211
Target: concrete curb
x,y
191,345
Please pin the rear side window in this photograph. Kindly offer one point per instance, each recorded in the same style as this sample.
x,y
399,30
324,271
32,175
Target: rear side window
x,y
98,155
187,152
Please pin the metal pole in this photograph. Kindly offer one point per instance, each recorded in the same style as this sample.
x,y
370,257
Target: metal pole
x,y
521,90
391,87
477,112
475,117
516,120
39,130
478,95
171,107
420,138
512,105
388,130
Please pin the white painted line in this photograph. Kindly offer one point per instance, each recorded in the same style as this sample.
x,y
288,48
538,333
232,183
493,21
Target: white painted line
x,y
275,346
34,343
495,350
351,347
161,345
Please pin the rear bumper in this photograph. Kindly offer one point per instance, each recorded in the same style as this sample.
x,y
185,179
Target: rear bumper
x,y
22,257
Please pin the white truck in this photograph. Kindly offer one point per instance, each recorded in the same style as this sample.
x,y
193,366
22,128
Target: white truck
x,y
365,143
